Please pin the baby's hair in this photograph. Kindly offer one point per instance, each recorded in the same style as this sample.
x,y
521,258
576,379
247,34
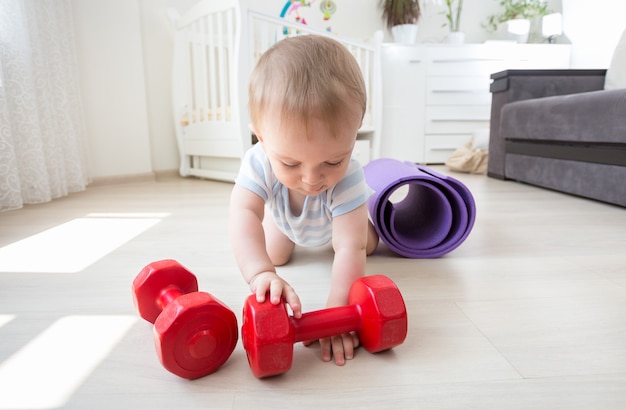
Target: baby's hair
x,y
303,76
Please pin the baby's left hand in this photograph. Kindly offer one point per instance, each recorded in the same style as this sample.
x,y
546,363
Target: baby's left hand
x,y
340,347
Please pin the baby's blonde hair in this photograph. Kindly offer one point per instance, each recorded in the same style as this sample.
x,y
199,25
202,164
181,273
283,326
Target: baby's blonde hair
x,y
304,76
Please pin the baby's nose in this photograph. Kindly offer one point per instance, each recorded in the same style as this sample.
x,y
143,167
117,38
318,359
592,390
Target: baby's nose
x,y
311,176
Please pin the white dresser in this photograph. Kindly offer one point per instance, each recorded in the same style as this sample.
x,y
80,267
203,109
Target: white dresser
x,y
435,96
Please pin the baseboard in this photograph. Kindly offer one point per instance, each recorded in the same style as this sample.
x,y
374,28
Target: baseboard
x,y
123,179
167,174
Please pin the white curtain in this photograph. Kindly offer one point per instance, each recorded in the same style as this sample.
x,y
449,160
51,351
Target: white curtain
x,y
42,137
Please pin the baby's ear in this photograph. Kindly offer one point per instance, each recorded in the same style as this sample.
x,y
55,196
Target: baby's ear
x,y
255,131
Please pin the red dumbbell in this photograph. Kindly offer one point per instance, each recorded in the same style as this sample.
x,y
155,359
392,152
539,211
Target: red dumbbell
x,y
376,311
194,333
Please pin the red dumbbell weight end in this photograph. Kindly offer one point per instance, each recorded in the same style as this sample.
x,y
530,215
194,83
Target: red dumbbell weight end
x,y
376,311
194,333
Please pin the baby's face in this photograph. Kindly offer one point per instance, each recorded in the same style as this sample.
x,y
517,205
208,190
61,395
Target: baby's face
x,y
309,164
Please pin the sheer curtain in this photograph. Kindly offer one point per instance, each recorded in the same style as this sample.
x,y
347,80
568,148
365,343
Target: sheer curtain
x,y
42,151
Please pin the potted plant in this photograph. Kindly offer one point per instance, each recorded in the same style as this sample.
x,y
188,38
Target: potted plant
x,y
453,14
400,17
517,15
453,17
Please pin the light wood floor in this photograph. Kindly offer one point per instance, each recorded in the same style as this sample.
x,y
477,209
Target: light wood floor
x,y
530,312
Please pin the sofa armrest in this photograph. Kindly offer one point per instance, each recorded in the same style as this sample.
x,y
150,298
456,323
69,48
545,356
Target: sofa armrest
x,y
516,85
526,84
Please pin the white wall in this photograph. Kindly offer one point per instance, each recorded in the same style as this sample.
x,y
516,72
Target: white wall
x,y
594,28
125,49
113,86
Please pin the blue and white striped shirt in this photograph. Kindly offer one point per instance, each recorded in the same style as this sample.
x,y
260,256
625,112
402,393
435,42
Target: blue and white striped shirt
x,y
313,227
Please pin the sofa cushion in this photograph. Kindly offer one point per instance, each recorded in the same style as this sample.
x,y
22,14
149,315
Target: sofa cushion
x,y
616,74
597,181
596,117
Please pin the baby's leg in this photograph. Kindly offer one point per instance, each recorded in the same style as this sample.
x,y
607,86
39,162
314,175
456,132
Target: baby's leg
x,y
279,247
372,238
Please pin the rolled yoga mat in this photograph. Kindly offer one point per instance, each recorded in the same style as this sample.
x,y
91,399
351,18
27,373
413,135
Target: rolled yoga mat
x,y
417,212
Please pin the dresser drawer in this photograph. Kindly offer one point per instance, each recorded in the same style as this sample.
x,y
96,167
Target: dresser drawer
x,y
469,60
466,90
404,79
537,56
457,119
435,96
403,136
440,147
465,67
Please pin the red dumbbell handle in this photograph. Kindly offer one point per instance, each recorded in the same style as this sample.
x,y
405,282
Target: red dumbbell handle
x,y
168,295
326,322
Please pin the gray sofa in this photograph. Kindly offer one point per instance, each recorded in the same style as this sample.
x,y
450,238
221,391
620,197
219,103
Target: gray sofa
x,y
559,129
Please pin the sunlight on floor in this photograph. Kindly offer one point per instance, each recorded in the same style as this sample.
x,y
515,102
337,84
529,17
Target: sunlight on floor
x,y
74,245
4,319
45,373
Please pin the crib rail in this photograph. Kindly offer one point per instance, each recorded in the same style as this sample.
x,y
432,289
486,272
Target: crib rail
x,y
217,42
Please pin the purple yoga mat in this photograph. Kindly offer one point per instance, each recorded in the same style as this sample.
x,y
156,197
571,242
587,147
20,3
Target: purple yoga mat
x,y
417,212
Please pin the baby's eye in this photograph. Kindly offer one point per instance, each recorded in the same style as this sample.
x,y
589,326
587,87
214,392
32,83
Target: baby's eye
x,y
287,165
334,163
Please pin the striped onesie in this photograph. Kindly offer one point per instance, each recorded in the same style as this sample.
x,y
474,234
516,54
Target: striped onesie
x,y
313,227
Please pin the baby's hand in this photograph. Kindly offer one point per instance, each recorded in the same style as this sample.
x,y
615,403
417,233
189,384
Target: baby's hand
x,y
341,347
278,288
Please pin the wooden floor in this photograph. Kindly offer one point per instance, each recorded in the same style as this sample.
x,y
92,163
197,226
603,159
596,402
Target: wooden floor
x,y
529,312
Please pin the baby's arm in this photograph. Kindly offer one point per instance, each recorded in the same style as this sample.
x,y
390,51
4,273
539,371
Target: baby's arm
x,y
349,242
248,242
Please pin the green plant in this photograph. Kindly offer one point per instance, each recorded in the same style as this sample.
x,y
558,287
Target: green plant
x,y
397,12
517,9
454,16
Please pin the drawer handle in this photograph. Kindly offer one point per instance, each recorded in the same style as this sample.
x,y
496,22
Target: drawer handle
x,y
468,60
460,120
459,91
415,61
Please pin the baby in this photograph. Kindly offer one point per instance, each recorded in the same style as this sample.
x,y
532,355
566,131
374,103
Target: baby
x,y
298,185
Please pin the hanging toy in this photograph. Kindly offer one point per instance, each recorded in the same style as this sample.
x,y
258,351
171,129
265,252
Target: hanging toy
x,y
294,7
328,8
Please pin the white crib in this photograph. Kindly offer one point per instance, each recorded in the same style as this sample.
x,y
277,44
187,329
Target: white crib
x,y
217,42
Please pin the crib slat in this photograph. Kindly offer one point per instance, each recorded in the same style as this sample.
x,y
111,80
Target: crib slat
x,y
187,75
197,71
364,62
212,80
230,68
202,57
221,69
264,43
